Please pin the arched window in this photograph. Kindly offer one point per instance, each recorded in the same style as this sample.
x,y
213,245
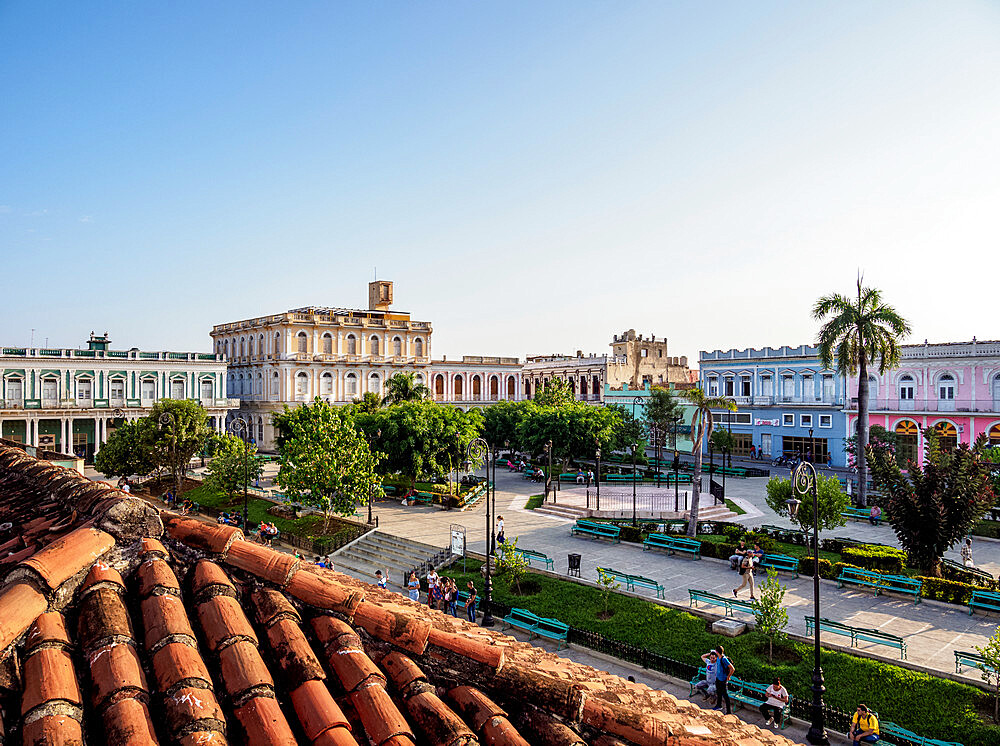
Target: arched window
x,y
947,436
477,388
373,346
260,428
260,345
301,386
302,342
946,393
439,387
572,387
583,387
511,387
250,344
527,388
260,385
907,388
352,384
239,386
595,389
906,442
494,388
375,383
996,392
243,347
418,347
352,345
458,388
226,348
327,344
277,343
872,392
994,435
397,346
326,385
275,386
787,388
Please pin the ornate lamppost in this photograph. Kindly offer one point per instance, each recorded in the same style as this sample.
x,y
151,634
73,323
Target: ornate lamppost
x,y
241,429
804,484
547,450
476,450
598,475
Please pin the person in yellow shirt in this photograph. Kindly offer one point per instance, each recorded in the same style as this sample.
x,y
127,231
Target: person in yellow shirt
x,y
864,726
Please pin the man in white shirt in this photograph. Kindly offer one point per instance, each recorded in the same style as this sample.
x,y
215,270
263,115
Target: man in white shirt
x,y
432,578
777,698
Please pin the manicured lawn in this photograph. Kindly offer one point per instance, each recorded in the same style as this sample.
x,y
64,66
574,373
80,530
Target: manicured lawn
x,y
535,501
925,704
734,507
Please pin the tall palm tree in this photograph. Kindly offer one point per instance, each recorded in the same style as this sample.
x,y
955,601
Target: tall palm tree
x,y
858,333
701,430
403,387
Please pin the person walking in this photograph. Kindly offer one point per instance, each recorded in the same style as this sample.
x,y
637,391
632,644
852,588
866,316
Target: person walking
x,y
413,587
724,671
777,698
501,540
967,552
746,570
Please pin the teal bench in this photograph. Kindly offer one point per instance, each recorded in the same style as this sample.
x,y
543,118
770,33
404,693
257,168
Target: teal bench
x,y
619,576
528,472
520,618
984,600
729,604
552,629
702,673
828,625
531,555
859,634
982,576
673,544
424,498
964,658
857,514
597,530
644,582
782,562
881,582
754,695
898,735
621,478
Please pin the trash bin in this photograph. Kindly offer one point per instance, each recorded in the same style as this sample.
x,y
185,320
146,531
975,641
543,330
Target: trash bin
x,y
574,565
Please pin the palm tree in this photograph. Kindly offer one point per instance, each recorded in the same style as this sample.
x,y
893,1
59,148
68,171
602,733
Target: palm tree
x,y
701,429
858,333
403,387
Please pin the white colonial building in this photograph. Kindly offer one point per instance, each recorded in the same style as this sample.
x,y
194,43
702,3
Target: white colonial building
x,y
71,400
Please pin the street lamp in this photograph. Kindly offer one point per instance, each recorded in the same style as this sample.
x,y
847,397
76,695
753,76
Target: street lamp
x,y
241,429
598,475
371,485
476,450
635,520
547,450
677,463
804,484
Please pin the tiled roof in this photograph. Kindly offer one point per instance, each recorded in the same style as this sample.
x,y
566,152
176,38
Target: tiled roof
x,y
129,629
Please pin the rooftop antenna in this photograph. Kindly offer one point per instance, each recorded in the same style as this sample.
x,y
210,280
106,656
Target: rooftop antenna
x,y
32,343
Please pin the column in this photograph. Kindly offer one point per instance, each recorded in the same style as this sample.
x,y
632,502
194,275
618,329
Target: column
x,y
69,430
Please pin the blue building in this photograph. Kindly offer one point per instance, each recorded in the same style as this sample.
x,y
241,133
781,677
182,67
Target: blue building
x,y
788,402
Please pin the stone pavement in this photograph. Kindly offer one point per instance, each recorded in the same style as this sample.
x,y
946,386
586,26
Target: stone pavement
x,y
933,630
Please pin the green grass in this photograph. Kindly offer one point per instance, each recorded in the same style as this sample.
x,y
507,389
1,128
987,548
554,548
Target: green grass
x,y
734,507
928,705
535,501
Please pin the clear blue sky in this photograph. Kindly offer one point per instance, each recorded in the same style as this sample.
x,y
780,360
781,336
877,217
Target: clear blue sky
x,y
534,176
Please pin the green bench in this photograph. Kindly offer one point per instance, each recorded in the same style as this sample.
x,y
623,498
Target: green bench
x,y
729,604
859,634
520,618
898,736
754,695
882,582
858,514
964,658
620,478
781,562
672,544
537,626
390,489
702,673
530,555
597,530
644,582
424,498
987,600
528,472
553,629
621,576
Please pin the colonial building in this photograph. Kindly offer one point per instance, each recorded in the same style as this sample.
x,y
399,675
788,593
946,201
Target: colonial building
x,y
953,388
340,354
634,362
789,404
66,400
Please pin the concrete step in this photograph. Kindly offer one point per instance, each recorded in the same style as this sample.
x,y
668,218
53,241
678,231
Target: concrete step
x,y
563,511
382,551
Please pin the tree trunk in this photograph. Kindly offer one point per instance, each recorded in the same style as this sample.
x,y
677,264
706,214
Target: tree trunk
x,y
696,481
862,442
934,570
770,650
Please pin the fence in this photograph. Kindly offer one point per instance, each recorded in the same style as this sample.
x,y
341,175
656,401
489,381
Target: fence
x,y
662,501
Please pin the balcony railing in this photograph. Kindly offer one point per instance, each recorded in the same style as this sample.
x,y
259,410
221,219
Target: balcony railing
x,y
958,406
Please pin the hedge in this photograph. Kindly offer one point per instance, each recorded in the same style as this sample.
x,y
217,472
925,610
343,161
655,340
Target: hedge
x,y
881,559
949,591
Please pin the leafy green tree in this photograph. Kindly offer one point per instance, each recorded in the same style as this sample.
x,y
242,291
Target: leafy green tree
x,y
513,564
370,402
575,430
175,433
661,411
859,333
879,439
404,387
233,463
126,452
991,669
324,461
500,423
555,392
769,611
939,502
832,501
701,429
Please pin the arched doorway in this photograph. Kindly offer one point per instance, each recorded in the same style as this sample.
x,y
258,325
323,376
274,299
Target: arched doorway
x,y
494,388
511,388
458,388
477,388
994,435
907,442
947,436
439,387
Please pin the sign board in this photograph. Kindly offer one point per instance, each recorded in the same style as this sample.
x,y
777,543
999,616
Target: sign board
x,y
772,423
458,540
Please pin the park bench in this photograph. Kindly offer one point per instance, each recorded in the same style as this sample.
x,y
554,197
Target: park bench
x,y
754,695
964,658
520,618
881,582
828,625
781,562
390,489
598,530
673,544
899,736
858,514
462,597
862,634
620,478
975,572
530,555
644,582
702,673
622,576
528,472
709,598
984,600
424,498
571,476
552,629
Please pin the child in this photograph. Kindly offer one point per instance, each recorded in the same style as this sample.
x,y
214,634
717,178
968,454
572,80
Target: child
x,y
380,579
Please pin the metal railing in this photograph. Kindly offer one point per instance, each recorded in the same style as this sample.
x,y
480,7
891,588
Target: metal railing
x,y
956,406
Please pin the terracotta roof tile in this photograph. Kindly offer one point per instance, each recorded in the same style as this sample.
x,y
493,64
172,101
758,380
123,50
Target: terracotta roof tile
x,y
407,631
154,546
318,712
155,575
222,620
321,593
214,538
114,668
208,574
243,669
264,562
48,676
49,627
381,718
164,618
178,662
187,705
264,723
101,574
482,651
52,730
438,723
546,730
475,706
202,738
293,653
68,555
270,604
127,723
102,616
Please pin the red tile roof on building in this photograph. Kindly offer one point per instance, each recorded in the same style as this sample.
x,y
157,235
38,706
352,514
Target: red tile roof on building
x,y
137,628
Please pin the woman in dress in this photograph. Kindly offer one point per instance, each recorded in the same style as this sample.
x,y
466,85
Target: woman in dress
x,y
413,587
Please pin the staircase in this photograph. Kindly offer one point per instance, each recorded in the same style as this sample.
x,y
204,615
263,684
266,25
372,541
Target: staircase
x,y
381,551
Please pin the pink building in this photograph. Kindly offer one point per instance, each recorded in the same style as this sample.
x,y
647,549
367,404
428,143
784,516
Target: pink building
x,y
952,387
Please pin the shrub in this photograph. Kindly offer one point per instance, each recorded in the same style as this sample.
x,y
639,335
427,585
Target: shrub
x,y
949,591
989,529
880,559
632,533
962,575
825,567
766,542
733,533
723,550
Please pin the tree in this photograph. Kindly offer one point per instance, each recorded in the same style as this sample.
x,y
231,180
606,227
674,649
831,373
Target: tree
x,y
939,503
575,430
661,409
723,441
370,402
175,433
701,429
879,439
233,463
608,584
555,393
769,611
857,334
991,669
126,452
500,423
832,501
513,564
404,387
325,461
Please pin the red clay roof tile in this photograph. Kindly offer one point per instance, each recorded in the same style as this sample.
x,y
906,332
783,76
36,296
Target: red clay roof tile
x,y
402,670
154,573
189,704
114,668
127,723
293,653
269,604
102,614
102,573
354,668
49,627
323,593
20,605
264,723
207,574
202,738
264,562
222,619
438,722
177,662
154,546
242,668
498,731
211,537
316,710
475,706
49,675
66,556
479,650
52,730
404,630
624,722
162,616
547,731
381,719
335,737
329,629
